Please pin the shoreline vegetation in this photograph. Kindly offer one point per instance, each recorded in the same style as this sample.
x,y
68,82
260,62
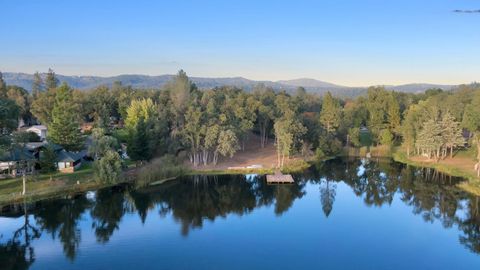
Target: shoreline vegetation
x,y
181,129
471,185
47,186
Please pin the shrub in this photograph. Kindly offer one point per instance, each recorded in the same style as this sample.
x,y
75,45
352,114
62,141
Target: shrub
x,y
108,169
160,168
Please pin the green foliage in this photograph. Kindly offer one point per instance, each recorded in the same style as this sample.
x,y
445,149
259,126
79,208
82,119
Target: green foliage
x,y
160,169
37,85
122,135
101,143
288,129
329,144
140,109
9,113
48,160
386,137
214,123
51,81
21,97
64,129
354,136
42,106
331,113
227,143
138,149
25,137
265,106
366,139
384,111
109,168
3,87
319,154
100,106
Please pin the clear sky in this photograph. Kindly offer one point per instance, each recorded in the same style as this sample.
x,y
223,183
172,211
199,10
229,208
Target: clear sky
x,y
354,43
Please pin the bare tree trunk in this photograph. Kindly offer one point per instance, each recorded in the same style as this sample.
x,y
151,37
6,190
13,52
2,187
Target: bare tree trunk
x,y
205,157
215,158
24,191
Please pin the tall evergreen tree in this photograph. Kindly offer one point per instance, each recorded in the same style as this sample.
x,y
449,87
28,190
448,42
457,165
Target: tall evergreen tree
x,y
48,159
138,149
65,128
3,87
51,80
37,85
331,113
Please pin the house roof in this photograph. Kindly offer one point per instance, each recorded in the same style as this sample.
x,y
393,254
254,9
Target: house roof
x,y
39,127
16,154
55,146
66,156
34,145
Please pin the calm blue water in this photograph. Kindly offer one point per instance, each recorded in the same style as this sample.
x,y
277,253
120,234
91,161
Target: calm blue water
x,y
342,215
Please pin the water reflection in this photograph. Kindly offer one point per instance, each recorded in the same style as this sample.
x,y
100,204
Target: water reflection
x,y
193,200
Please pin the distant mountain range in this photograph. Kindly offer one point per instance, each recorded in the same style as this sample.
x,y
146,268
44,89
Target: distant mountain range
x,y
155,82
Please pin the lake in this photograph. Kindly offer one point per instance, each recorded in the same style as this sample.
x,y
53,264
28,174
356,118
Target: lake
x,y
341,214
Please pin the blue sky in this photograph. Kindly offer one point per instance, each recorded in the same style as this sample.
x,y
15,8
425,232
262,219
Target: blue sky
x,y
355,42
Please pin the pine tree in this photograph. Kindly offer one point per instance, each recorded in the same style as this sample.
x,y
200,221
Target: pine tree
x,y
331,113
3,87
51,80
37,85
109,168
393,113
64,129
138,149
48,160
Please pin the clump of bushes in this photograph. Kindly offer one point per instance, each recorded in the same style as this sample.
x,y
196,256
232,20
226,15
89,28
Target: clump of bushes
x,y
108,169
160,168
328,146
295,166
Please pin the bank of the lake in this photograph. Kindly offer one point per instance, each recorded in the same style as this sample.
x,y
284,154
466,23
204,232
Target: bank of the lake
x,y
59,184
471,186
43,186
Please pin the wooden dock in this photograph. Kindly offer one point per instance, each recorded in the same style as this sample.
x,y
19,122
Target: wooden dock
x,y
279,178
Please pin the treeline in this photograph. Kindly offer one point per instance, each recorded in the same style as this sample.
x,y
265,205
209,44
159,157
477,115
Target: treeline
x,y
210,124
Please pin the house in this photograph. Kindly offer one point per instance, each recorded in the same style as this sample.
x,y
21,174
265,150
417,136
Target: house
x,y
16,162
68,162
364,129
40,130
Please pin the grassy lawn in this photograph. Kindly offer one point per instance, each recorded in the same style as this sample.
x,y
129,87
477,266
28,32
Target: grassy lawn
x,y
47,185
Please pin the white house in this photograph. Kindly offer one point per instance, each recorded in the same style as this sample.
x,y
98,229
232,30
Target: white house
x,y
40,130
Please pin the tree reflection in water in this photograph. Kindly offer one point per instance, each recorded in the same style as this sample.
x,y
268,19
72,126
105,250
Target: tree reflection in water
x,y
192,200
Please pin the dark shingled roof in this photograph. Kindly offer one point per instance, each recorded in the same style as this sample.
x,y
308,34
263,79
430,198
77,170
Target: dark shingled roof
x,y
65,156
17,154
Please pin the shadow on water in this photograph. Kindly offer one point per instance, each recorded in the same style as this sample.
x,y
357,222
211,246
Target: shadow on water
x,y
193,200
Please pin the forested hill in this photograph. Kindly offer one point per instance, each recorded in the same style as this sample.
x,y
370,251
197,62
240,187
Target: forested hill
x,y
154,82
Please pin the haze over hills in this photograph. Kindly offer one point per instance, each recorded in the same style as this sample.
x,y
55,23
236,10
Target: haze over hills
x,y
155,82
